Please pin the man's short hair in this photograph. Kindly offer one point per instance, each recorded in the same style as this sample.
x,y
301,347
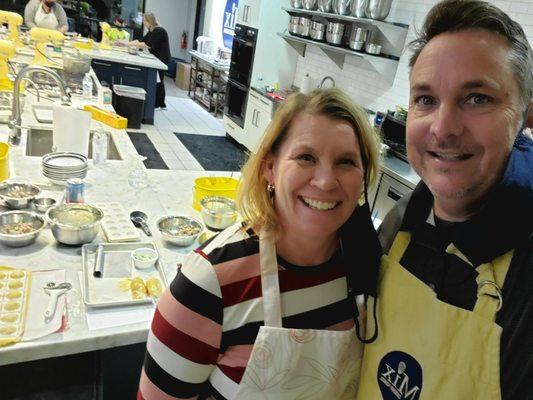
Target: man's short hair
x,y
458,15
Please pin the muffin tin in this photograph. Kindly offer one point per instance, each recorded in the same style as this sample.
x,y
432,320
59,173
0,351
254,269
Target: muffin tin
x,y
116,224
14,289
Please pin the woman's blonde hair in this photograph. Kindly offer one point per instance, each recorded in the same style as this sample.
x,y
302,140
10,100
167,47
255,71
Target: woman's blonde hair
x,y
149,17
253,199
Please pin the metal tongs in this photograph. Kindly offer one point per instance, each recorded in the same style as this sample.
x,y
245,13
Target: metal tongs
x,y
54,290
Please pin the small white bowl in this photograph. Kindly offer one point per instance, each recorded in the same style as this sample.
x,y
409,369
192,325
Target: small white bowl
x,y
144,257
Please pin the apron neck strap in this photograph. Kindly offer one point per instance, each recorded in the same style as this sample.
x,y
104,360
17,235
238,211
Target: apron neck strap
x,y
269,280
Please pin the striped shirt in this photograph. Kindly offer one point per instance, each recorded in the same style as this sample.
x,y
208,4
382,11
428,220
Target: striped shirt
x,y
206,322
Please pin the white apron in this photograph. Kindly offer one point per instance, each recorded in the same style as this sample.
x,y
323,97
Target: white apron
x,y
46,20
297,363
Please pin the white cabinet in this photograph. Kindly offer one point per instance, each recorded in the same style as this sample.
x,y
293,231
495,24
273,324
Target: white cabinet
x,y
258,116
232,129
248,13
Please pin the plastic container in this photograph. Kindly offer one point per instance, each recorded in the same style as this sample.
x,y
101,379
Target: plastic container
x,y
87,85
213,186
99,145
144,257
128,102
4,161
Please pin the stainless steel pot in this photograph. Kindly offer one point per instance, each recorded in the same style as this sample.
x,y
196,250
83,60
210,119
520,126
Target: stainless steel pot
x,y
358,38
76,63
309,4
325,5
318,31
358,8
373,48
296,3
304,27
294,25
341,7
335,33
378,9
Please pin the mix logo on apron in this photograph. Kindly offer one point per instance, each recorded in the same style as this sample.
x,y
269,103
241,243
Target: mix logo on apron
x,y
428,349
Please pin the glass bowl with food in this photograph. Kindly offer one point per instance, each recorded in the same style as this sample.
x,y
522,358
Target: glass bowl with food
x,y
179,230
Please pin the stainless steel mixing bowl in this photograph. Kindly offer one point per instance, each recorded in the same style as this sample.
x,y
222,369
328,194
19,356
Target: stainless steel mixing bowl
x,y
7,191
169,228
74,233
218,212
20,239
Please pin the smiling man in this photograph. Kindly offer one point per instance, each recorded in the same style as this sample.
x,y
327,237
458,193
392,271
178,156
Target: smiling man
x,y
455,305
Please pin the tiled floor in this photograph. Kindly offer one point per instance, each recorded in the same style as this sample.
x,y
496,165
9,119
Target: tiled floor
x,y
182,115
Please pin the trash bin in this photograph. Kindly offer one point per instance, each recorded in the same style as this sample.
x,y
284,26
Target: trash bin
x,y
128,102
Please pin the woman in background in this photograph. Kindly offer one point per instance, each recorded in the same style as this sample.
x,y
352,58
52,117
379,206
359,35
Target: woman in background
x,y
45,14
156,41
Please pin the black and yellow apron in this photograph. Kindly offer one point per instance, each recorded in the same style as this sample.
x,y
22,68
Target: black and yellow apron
x,y
430,350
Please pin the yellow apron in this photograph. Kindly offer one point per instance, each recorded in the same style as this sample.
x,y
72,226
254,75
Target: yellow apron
x,y
427,349
296,363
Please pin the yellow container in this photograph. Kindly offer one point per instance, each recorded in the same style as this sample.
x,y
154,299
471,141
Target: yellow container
x,y
107,117
4,161
213,186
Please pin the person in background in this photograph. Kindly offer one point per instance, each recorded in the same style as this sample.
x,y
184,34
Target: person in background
x,y
118,33
46,14
456,301
266,309
156,41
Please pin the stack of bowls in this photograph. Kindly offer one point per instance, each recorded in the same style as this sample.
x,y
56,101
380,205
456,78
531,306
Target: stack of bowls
x,y
59,167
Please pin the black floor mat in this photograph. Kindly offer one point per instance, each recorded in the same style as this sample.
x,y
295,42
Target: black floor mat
x,y
146,148
214,153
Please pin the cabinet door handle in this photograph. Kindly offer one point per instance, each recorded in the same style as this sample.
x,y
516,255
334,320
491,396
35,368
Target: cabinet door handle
x,y
112,80
394,195
132,68
101,63
121,80
257,119
246,8
265,102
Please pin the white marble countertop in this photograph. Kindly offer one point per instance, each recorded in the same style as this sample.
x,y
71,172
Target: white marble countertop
x,y
168,192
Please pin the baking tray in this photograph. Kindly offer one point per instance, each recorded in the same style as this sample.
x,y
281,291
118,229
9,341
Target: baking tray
x,y
105,291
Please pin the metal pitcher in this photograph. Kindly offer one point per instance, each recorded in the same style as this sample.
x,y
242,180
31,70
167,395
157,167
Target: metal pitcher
x,y
358,8
341,7
324,5
378,9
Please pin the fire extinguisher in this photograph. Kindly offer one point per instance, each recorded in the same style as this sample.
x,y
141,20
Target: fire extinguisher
x,y
184,40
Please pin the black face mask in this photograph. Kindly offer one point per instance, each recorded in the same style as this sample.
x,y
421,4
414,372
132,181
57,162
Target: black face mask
x,y
49,4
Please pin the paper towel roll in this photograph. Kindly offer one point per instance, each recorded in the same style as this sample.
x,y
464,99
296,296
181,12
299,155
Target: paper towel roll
x,y
71,129
307,84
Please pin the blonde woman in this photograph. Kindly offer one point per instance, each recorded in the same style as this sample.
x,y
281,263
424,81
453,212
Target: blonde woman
x,y
266,309
156,41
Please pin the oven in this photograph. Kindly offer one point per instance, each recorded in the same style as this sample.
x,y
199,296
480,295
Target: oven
x,y
236,100
240,73
242,54
393,130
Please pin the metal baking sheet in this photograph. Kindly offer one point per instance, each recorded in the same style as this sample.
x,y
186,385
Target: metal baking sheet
x,y
104,291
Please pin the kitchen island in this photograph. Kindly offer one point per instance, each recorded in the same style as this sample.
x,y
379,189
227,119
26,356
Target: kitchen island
x,y
167,192
119,67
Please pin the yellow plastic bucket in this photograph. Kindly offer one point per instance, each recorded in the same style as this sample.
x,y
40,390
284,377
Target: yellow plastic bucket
x,y
213,186
4,161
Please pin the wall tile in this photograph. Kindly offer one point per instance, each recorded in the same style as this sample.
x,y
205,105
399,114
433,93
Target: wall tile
x,y
369,88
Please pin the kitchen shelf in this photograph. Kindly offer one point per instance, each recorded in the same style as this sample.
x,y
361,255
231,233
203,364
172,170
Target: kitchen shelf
x,y
390,35
216,87
383,64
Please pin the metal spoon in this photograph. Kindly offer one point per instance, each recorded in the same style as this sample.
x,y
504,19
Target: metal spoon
x,y
139,220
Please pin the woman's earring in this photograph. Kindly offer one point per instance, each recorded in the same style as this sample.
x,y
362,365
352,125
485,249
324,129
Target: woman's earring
x,y
270,188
